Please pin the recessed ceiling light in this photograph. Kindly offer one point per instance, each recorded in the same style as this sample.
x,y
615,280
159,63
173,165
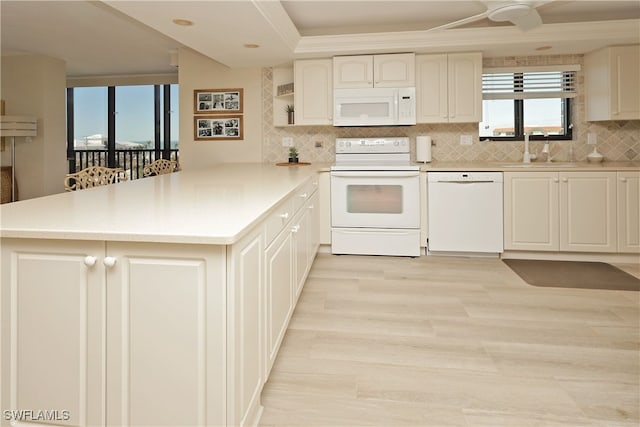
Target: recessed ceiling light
x,y
251,45
541,48
183,22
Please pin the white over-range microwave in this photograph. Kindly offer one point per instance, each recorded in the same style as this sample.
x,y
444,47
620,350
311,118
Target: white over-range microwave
x,y
374,106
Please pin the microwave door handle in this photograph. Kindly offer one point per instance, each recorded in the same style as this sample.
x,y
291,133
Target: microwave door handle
x,y
375,174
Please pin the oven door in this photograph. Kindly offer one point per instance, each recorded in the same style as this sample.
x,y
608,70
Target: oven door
x,y
375,199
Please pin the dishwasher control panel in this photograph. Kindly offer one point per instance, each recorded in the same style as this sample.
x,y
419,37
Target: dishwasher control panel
x,y
464,176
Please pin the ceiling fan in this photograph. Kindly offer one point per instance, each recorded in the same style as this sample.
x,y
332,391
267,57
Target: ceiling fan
x,y
521,13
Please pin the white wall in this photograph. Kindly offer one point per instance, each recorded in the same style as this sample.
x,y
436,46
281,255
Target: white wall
x,y
36,85
199,72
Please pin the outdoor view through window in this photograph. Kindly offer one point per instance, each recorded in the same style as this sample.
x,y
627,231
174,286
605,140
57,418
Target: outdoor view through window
x,y
541,117
134,118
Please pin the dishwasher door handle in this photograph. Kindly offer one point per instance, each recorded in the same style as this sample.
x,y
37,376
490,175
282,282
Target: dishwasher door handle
x,y
465,182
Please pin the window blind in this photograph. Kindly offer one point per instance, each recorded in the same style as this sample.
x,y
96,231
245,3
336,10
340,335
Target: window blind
x,y
529,84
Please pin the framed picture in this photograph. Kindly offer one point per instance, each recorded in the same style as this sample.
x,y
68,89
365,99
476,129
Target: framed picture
x,y
218,128
217,101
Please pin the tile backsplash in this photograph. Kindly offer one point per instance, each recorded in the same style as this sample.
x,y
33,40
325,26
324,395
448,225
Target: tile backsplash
x,y
617,140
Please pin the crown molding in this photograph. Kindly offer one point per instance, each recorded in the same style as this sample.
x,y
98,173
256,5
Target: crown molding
x,y
589,36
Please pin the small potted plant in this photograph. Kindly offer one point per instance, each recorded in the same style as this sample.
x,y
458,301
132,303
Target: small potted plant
x,y
290,113
293,155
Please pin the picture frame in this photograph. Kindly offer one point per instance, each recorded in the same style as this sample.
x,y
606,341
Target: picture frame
x,y
218,128
218,101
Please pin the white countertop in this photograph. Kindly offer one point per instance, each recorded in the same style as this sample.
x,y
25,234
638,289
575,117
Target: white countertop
x,y
529,167
213,206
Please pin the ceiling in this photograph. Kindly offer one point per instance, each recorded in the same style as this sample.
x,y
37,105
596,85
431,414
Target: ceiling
x,y
136,37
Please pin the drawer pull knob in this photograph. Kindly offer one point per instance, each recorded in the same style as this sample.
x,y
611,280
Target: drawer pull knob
x,y
109,261
284,215
89,261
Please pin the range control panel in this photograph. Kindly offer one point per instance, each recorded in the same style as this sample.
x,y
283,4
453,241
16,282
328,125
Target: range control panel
x,y
372,145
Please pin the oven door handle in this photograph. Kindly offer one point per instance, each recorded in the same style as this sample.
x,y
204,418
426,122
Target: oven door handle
x,y
375,174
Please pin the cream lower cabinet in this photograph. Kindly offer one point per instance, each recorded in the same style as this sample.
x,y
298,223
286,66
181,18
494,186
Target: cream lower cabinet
x,y
588,212
279,293
287,262
560,211
245,330
629,212
114,333
324,205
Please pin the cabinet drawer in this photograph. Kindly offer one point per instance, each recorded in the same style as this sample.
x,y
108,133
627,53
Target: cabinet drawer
x,y
304,192
278,219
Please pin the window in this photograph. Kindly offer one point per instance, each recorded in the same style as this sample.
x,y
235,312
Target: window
x,y
535,100
121,126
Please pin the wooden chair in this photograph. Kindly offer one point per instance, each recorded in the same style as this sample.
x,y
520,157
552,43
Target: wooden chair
x,y
94,176
160,167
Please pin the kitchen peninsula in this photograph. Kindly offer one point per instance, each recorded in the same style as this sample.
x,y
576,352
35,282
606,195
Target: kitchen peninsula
x,y
157,301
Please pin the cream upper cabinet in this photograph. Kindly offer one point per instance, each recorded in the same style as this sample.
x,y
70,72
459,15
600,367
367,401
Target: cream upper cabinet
x,y
362,71
629,212
449,88
560,211
313,97
588,212
612,85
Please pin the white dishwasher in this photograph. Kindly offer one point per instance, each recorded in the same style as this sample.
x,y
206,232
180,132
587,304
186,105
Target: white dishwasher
x,y
465,212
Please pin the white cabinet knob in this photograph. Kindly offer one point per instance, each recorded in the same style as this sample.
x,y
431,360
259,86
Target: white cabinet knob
x,y
303,196
295,228
623,179
109,261
284,215
89,261
311,207
565,180
556,180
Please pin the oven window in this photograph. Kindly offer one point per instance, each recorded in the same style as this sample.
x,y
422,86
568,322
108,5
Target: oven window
x,y
374,199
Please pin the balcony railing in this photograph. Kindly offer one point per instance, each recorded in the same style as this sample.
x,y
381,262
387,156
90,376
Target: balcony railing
x,y
132,161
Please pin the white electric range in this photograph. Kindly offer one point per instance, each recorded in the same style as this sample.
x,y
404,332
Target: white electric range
x,y
375,198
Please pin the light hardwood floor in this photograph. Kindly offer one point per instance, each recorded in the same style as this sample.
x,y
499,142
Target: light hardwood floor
x,y
444,341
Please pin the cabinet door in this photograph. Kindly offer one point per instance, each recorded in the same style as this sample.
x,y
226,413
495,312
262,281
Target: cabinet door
x,y
625,84
300,230
431,89
314,92
324,208
465,87
352,71
314,226
531,211
629,212
166,334
53,302
588,211
394,70
245,331
279,286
